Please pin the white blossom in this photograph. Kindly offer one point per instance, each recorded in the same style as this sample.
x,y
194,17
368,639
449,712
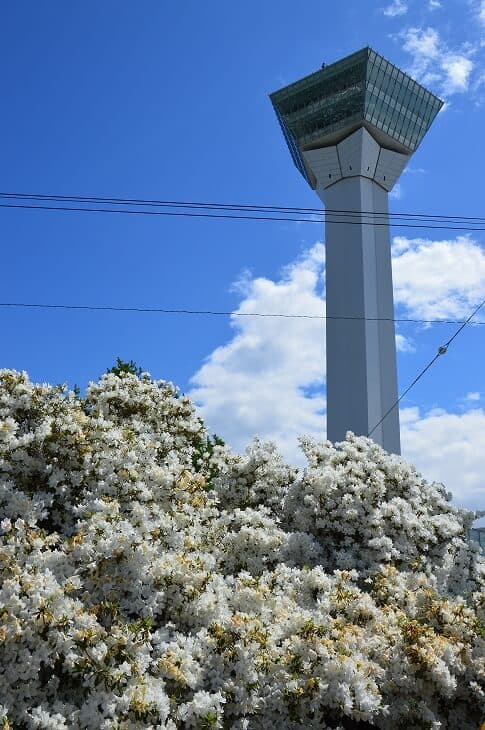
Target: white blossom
x,y
152,578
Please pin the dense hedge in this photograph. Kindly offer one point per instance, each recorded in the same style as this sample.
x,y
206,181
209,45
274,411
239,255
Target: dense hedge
x,y
152,578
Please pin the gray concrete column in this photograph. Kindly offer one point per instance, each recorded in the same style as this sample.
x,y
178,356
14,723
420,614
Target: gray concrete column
x,y
361,352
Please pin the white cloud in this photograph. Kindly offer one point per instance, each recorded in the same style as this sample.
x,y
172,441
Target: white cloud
x,y
481,11
410,170
473,396
396,192
435,63
395,9
449,448
268,379
458,69
422,44
438,279
434,4
404,344
479,81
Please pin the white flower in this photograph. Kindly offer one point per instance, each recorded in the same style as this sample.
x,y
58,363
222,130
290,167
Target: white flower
x,y
151,578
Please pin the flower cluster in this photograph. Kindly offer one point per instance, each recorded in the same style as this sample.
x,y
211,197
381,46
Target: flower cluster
x,y
150,578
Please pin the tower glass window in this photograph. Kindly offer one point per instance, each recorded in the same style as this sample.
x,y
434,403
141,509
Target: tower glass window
x,y
363,89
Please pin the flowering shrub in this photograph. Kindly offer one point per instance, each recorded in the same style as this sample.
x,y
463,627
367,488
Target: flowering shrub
x,y
151,578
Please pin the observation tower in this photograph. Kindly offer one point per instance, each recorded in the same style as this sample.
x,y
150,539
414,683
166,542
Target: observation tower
x,y
351,129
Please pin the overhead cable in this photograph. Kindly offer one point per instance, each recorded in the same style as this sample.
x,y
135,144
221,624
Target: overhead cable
x,y
232,206
191,214
227,313
442,350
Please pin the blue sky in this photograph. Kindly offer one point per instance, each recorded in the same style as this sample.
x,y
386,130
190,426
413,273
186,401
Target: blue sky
x,y
169,101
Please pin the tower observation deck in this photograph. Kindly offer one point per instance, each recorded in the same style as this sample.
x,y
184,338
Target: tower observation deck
x,y
351,129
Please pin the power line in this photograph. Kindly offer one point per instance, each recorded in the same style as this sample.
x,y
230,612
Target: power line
x,y
231,206
244,212
191,214
442,350
159,310
213,312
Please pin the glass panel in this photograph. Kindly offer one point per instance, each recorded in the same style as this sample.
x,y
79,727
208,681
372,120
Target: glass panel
x,y
294,149
325,101
405,109
363,86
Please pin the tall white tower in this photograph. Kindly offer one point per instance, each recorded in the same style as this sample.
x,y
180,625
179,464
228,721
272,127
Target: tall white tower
x,y
351,128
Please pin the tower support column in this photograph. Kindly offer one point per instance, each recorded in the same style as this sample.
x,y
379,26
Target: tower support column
x,y
361,352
